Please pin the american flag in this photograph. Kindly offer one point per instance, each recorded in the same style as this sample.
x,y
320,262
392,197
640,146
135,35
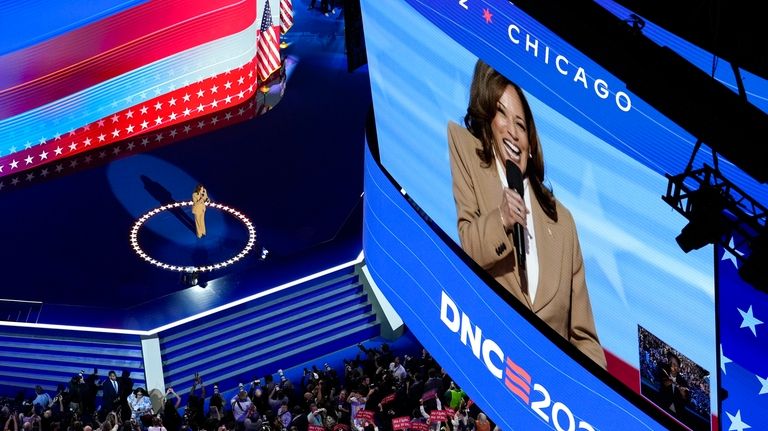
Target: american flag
x,y
286,15
268,47
743,346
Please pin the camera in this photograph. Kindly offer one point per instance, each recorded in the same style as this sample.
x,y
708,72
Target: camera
x,y
280,373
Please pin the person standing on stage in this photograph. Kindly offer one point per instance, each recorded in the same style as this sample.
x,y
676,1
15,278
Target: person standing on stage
x,y
199,199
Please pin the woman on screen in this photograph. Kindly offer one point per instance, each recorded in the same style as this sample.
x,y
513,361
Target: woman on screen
x,y
551,282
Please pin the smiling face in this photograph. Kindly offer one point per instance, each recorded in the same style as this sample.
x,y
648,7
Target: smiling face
x,y
510,129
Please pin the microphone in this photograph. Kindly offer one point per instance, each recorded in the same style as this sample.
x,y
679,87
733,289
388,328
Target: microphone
x,y
515,181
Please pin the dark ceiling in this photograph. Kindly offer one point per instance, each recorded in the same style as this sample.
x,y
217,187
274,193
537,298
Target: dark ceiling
x,y
720,118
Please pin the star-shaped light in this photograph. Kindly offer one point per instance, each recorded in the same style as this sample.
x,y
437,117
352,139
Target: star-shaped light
x,y
749,320
736,423
723,360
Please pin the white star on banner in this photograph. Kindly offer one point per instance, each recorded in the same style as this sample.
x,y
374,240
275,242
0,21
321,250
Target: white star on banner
x,y
727,255
58,151
764,383
723,360
736,423
749,320
28,160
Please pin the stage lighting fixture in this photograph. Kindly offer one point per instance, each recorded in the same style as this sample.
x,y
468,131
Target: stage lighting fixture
x,y
718,211
707,223
753,269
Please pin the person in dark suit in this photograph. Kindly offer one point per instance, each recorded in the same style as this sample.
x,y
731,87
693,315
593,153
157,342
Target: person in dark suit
x,y
674,393
499,127
125,383
110,394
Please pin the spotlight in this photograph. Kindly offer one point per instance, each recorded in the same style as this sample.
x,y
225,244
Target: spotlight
x,y
753,270
707,222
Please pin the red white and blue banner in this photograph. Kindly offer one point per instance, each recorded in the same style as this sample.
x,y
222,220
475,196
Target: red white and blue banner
x,y
120,70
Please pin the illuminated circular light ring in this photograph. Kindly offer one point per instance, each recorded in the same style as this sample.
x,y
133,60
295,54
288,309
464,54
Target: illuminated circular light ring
x,y
237,214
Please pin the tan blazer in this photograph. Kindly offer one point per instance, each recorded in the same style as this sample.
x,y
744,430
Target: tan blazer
x,y
562,299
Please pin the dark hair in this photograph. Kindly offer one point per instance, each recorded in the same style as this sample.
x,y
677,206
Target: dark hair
x,y
488,85
198,187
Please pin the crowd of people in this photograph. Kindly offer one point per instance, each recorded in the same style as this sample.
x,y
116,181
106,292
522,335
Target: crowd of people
x,y
375,387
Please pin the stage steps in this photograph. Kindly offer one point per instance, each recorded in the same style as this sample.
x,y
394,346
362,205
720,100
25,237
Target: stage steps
x,y
274,332
49,357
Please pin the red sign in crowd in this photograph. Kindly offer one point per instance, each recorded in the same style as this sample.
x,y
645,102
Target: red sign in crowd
x,y
365,415
316,428
401,423
387,399
419,426
437,416
341,427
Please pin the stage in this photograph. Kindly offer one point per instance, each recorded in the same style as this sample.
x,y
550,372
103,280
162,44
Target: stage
x,y
295,173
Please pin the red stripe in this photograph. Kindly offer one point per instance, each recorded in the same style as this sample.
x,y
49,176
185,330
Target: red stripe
x,y
517,391
623,371
517,369
108,48
523,385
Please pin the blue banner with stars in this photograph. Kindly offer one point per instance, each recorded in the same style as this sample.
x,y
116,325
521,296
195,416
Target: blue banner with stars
x,y
742,313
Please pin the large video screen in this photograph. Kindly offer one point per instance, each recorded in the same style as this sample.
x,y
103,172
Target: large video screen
x,y
608,274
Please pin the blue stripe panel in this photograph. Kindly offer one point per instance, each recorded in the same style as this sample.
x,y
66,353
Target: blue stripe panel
x,y
32,356
26,23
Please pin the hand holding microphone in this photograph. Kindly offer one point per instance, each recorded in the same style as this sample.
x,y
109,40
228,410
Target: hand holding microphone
x,y
513,210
